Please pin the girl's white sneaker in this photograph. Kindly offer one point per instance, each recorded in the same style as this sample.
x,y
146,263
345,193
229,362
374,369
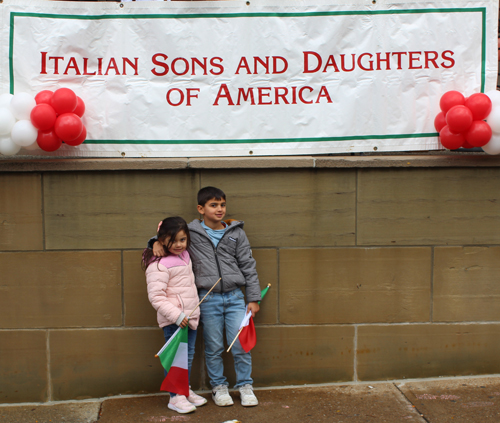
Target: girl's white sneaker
x,y
180,404
195,399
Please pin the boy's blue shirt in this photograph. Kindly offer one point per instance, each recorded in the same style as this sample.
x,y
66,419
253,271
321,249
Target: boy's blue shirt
x,y
214,234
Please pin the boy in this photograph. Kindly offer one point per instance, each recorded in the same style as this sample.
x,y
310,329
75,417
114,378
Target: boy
x,y
220,249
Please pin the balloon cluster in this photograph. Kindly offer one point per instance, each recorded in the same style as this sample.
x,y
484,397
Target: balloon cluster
x,y
57,116
461,120
46,120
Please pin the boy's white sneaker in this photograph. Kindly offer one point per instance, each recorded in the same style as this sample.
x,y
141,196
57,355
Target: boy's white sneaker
x,y
221,396
180,404
248,398
195,399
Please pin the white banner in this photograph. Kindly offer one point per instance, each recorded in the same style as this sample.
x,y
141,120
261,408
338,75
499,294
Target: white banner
x,y
172,79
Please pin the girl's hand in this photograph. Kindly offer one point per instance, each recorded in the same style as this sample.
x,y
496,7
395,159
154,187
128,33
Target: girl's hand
x,y
158,249
253,307
184,323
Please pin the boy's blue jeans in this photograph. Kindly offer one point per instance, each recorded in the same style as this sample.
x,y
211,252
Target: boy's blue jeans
x,y
168,331
219,311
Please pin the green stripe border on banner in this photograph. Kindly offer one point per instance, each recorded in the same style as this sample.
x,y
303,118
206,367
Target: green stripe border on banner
x,y
481,10
266,140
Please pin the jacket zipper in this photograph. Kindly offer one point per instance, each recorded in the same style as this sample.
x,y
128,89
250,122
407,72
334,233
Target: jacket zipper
x,y
217,258
180,302
218,266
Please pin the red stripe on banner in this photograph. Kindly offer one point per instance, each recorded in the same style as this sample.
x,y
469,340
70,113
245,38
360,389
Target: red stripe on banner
x,y
248,337
177,381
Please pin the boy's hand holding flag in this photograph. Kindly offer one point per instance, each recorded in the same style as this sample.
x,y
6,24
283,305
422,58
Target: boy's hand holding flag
x,y
247,335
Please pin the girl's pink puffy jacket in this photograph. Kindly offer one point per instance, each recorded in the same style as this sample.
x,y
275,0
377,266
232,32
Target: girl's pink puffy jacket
x,y
171,290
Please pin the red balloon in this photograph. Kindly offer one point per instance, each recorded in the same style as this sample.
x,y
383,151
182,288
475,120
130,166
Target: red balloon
x,y
44,96
439,121
80,107
480,105
459,119
48,140
467,145
479,133
450,99
43,116
68,127
64,101
450,140
80,139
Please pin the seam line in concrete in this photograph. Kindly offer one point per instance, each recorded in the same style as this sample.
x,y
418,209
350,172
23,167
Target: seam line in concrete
x,y
431,311
122,288
421,415
42,193
355,354
278,286
49,370
263,325
99,413
266,247
356,198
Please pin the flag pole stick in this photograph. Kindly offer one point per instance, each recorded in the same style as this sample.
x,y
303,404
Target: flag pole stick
x,y
234,340
204,297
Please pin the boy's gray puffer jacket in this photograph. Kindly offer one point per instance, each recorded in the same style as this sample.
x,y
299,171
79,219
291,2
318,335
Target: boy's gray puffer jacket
x,y
231,261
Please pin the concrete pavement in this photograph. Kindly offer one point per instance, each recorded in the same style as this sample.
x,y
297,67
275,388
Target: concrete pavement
x,y
443,400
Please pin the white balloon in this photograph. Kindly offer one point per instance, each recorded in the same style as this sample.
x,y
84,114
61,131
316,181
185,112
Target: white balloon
x,y
24,133
21,105
493,119
7,147
493,146
494,96
7,121
5,99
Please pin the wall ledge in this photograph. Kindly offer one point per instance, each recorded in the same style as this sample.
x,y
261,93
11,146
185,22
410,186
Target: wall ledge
x,y
439,159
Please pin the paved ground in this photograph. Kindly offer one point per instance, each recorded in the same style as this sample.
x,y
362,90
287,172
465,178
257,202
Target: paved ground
x,y
450,400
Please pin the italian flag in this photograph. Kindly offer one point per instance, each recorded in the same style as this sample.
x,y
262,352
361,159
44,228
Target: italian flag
x,y
174,359
248,337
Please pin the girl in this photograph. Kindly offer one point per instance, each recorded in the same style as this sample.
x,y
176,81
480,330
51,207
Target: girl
x,y
172,292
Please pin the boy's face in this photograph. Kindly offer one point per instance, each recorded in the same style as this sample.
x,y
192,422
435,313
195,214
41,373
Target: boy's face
x,y
213,211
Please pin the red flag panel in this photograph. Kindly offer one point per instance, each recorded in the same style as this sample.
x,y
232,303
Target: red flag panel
x,y
177,381
248,337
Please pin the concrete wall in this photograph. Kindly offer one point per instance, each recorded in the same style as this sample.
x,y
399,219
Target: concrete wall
x,y
381,268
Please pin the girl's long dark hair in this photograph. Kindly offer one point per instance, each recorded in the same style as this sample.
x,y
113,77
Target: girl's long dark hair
x,y
169,228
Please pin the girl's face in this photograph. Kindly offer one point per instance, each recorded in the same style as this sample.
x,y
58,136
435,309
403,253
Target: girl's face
x,y
179,245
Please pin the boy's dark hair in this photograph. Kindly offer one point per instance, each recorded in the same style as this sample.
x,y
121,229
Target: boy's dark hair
x,y
207,193
168,227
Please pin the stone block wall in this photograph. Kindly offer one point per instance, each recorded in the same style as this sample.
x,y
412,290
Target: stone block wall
x,y
377,272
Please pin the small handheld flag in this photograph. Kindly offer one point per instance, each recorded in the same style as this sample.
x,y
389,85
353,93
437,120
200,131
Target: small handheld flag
x,y
174,359
247,334
248,337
